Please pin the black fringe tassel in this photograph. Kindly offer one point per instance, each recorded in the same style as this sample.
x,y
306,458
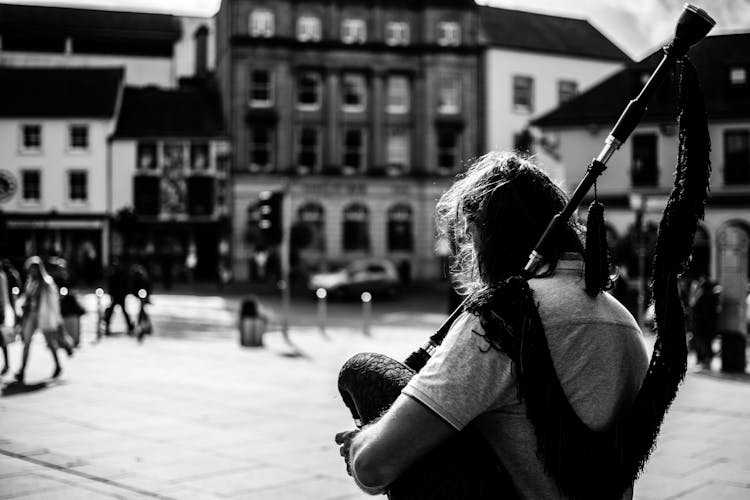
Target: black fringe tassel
x,y
597,254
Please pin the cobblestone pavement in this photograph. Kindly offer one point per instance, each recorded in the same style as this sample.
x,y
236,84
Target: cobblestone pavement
x,y
198,417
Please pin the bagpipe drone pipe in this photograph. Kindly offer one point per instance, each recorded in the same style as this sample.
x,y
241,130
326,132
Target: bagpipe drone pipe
x,y
585,464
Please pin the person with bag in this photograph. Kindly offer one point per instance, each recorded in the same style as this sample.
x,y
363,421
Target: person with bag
x,y
41,311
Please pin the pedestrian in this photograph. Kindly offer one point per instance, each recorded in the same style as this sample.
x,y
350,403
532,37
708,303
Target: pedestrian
x,y
41,311
9,321
493,216
118,289
140,286
705,305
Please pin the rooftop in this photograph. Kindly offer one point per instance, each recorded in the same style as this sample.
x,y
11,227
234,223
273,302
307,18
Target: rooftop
x,y
713,59
155,112
44,29
534,32
59,92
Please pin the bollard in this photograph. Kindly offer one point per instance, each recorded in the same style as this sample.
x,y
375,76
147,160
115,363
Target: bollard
x,y
366,312
252,324
322,293
99,294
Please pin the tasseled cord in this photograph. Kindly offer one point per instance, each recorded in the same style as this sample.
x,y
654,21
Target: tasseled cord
x,y
596,256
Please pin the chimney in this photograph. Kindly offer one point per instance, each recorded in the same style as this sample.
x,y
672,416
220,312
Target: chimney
x,y
201,50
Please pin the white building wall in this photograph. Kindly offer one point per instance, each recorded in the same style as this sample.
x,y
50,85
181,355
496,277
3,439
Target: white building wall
x,y
54,160
123,169
545,69
139,71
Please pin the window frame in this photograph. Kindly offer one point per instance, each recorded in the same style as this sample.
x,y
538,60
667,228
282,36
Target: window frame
x,y
23,190
258,27
646,175
359,240
353,30
520,107
737,70
448,33
455,150
405,149
304,149
397,33
309,28
398,108
71,134
138,149
736,178
400,216
362,105
449,96
71,188
195,147
563,92
318,77
253,146
22,138
361,151
261,103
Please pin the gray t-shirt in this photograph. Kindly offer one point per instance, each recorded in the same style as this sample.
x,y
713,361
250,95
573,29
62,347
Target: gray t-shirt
x,y
598,353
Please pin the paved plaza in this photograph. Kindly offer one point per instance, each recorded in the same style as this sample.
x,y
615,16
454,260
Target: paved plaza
x,y
195,416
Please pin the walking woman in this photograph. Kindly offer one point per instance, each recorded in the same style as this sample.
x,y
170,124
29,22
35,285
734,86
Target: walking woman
x,y
41,311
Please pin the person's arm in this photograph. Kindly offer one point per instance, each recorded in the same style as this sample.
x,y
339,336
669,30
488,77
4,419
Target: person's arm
x,y
379,453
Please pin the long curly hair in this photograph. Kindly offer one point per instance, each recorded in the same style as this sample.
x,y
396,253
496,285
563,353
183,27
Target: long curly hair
x,y
493,216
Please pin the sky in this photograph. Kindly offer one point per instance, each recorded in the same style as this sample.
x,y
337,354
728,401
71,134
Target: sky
x,y
636,26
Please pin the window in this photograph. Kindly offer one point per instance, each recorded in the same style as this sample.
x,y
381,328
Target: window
x,y
146,153
397,33
78,137
353,159
308,90
261,23
737,157
78,186
449,95
400,236
308,29
31,137
566,90
399,94
447,150
738,76
523,94
644,170
261,149
308,150
353,31
398,151
356,230
31,185
448,33
261,88
199,155
312,216
354,92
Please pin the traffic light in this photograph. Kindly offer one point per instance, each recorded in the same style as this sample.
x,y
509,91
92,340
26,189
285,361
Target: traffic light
x,y
271,223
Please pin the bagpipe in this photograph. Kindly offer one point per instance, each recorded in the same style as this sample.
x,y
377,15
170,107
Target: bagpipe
x,y
585,464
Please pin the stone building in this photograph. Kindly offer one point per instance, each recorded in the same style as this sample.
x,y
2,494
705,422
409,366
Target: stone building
x,y
361,112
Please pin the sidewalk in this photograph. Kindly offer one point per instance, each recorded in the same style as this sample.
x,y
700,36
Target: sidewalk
x,y
198,419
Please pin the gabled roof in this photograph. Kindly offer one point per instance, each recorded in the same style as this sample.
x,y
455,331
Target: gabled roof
x,y
529,31
44,29
154,112
59,92
712,57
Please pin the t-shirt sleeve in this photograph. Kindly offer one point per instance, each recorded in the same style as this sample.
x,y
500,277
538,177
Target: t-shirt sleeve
x,y
465,377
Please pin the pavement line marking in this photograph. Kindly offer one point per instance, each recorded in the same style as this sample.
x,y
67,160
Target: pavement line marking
x,y
84,475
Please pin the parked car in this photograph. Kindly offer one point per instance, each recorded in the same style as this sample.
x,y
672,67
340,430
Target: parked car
x,y
377,276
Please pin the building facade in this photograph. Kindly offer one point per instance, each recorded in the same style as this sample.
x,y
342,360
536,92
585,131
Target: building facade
x,y
53,162
169,190
639,176
532,64
361,112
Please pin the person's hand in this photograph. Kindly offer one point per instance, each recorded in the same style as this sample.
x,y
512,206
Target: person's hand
x,y
345,440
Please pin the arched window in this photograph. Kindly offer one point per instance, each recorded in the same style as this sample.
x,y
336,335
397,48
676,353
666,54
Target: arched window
x,y
356,227
311,220
400,237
